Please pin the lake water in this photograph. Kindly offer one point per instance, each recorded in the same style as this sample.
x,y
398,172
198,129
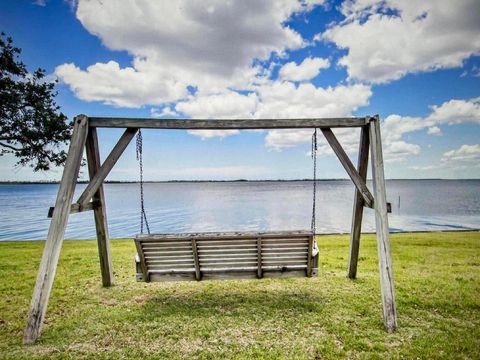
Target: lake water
x,y
230,206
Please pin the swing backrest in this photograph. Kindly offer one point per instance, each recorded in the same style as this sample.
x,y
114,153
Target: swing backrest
x,y
203,256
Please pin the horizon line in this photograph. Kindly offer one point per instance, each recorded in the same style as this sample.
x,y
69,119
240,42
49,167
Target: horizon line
x,y
213,181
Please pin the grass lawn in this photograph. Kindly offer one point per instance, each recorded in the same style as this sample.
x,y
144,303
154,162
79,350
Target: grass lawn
x,y
437,278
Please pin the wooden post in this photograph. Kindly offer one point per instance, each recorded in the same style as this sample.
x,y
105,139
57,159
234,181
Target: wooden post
x,y
100,215
383,235
51,252
358,204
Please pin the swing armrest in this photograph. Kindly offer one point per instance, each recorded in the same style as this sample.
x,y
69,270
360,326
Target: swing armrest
x,y
138,268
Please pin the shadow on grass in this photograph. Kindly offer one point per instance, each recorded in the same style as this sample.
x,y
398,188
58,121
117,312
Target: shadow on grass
x,y
168,312
244,300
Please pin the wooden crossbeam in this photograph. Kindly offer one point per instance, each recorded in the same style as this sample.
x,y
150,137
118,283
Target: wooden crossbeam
x,y
106,167
221,124
349,167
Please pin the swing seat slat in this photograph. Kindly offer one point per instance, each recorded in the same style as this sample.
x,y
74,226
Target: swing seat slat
x,y
230,255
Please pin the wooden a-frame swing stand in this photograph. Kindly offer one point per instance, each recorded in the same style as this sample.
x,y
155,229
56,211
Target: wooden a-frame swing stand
x,y
85,136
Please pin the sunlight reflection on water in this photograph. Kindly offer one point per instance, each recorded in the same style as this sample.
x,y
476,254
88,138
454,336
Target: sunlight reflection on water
x,y
195,207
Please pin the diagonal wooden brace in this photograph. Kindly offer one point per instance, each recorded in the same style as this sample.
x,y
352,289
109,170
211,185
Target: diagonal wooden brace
x,y
349,167
106,167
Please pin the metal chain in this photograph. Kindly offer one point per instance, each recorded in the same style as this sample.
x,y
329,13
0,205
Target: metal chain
x,y
314,157
143,215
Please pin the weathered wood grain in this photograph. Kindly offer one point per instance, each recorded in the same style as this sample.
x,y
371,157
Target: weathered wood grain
x,y
358,203
143,264
383,235
219,124
225,235
56,231
100,214
221,253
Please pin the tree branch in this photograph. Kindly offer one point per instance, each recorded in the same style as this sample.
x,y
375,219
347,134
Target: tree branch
x,y
10,146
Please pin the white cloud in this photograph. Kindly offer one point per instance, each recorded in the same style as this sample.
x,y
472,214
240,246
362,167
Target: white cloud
x,y
306,70
466,153
220,106
210,45
122,87
41,3
279,139
456,112
476,71
278,100
450,112
465,157
214,46
167,111
386,39
435,131
287,100
207,134
394,128
397,151
424,167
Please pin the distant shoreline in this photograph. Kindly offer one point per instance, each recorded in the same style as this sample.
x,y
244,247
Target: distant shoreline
x,y
392,232
212,181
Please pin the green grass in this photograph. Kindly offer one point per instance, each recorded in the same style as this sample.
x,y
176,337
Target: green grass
x,y
437,279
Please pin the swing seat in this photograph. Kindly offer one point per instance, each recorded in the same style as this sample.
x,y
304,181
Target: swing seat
x,y
231,255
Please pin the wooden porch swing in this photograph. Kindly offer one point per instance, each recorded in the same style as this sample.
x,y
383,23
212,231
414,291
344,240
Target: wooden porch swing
x,y
227,255
213,255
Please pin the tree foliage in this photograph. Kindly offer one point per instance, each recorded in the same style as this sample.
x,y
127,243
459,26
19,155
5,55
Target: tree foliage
x,y
32,127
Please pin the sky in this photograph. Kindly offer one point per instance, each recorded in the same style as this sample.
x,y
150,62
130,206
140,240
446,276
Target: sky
x,y
415,64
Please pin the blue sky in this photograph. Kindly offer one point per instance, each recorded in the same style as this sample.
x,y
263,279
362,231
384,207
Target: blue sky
x,y
416,64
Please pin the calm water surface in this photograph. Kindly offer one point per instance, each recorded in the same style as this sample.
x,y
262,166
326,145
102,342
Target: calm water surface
x,y
189,207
